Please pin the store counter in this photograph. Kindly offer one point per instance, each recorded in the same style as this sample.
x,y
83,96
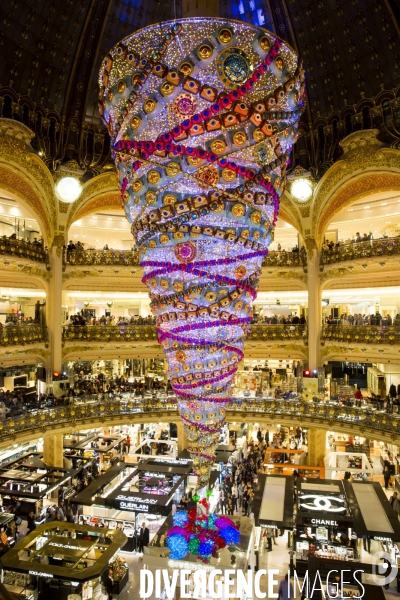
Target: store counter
x,y
69,560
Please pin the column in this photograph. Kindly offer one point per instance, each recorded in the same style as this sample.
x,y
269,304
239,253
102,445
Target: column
x,y
53,450
54,308
182,441
316,446
314,323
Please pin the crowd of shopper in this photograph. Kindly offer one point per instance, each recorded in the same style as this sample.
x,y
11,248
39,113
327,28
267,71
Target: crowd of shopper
x,y
80,319
279,320
363,319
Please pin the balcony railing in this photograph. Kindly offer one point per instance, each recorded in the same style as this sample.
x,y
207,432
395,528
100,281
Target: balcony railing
x,y
22,334
21,249
102,257
110,333
377,248
261,332
362,334
131,258
132,333
83,412
285,259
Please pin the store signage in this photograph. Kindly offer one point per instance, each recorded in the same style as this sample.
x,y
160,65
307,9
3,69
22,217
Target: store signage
x,y
135,503
65,546
379,538
156,475
324,522
37,574
181,564
175,461
323,503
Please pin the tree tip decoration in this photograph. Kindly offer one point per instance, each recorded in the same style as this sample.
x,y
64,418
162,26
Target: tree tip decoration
x,y
200,533
202,115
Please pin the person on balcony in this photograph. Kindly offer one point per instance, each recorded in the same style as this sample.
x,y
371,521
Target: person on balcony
x,y
302,320
358,237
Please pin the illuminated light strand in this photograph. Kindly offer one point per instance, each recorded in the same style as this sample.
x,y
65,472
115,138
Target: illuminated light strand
x,y
201,382
205,263
200,426
200,326
215,277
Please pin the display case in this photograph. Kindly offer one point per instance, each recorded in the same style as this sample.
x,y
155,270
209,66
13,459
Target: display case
x,y
127,527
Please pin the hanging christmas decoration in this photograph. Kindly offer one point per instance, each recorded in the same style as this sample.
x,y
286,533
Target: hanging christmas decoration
x,y
202,114
200,533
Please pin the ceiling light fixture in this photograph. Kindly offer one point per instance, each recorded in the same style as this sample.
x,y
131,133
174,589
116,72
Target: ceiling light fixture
x,y
68,189
301,190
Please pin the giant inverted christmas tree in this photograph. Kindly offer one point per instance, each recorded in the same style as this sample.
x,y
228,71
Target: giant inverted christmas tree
x,y
202,114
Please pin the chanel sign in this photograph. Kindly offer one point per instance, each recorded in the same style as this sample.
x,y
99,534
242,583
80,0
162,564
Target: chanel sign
x,y
323,503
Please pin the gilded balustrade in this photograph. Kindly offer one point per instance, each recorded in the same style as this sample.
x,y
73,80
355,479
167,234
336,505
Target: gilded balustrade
x,y
367,249
22,249
102,257
84,412
22,334
132,333
362,334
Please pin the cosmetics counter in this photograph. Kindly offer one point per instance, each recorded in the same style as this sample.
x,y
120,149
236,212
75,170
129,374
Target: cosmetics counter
x,y
126,495
33,483
324,523
56,561
93,446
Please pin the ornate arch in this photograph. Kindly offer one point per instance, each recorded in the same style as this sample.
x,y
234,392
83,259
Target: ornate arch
x,y
367,167
24,175
102,202
100,192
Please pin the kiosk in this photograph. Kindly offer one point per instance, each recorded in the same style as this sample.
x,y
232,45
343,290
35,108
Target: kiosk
x,y
56,561
324,523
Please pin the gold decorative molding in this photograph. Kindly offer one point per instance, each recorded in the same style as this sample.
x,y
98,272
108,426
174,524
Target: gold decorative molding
x,y
290,275
23,173
15,267
10,351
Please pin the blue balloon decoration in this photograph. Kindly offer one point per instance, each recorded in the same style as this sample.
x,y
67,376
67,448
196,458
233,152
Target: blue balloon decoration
x,y
180,519
178,545
230,535
205,548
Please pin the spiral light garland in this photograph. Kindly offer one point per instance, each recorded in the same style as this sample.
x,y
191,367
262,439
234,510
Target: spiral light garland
x,y
202,114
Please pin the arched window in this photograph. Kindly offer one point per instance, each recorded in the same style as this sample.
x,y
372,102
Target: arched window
x,y
348,125
367,123
25,115
7,108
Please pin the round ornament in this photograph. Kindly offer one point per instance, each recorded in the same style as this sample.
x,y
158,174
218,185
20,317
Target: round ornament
x,y
185,252
234,67
240,272
185,106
